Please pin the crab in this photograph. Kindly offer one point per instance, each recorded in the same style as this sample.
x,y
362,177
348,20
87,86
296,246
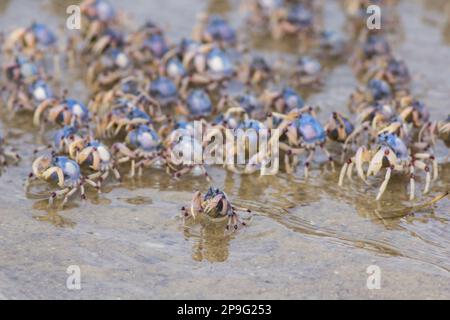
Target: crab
x,y
372,46
7,153
164,91
331,44
302,132
62,170
63,111
26,97
282,101
149,44
247,101
123,116
376,91
393,155
207,65
393,71
143,148
308,72
183,153
198,105
113,65
339,128
433,130
32,40
413,111
96,156
99,16
215,205
255,72
298,19
214,29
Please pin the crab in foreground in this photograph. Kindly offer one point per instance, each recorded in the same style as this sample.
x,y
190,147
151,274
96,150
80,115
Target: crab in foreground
x,y
216,206
62,170
393,155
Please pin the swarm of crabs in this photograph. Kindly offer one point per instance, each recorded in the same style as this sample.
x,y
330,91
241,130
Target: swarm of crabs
x,y
146,92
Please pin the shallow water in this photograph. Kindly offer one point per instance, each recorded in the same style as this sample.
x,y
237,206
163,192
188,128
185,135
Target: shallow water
x,y
307,239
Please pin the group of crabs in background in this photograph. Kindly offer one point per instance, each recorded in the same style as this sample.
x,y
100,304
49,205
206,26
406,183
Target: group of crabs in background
x,y
146,93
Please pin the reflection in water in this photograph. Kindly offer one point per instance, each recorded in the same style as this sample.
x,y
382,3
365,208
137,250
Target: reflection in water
x,y
210,240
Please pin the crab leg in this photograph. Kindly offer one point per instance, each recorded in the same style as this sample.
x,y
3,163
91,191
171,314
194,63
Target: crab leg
x,y
68,195
385,183
56,194
412,182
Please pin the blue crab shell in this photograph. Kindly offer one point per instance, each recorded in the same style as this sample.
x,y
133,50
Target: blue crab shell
x,y
156,44
301,16
63,133
136,113
199,103
219,62
397,145
220,30
309,65
101,10
164,90
76,108
333,41
175,69
375,45
70,168
292,99
43,34
145,138
379,89
40,90
249,102
130,86
259,63
310,129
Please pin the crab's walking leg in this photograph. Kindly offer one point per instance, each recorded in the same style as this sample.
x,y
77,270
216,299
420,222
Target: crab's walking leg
x,y
68,195
56,194
344,169
385,183
308,162
412,182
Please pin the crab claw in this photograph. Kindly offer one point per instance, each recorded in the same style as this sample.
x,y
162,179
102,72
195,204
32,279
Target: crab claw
x,y
376,163
49,172
196,204
40,109
212,204
360,158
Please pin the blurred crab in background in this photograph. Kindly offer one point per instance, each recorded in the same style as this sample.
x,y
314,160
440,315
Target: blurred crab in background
x,y
255,72
63,111
393,155
62,170
207,66
149,44
143,148
198,105
308,72
435,130
7,153
33,41
214,29
104,72
215,205
283,100
376,91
